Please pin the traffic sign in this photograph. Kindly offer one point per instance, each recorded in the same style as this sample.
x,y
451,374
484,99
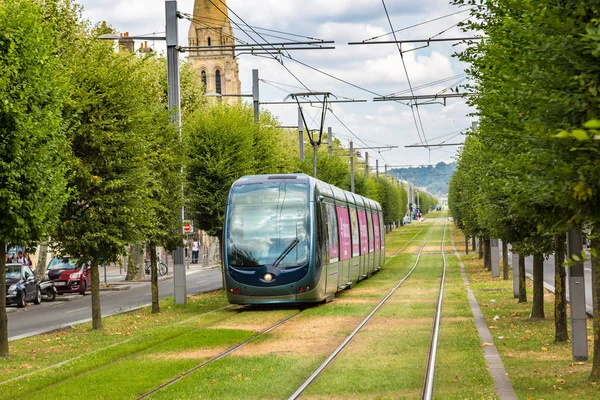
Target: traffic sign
x,y
188,227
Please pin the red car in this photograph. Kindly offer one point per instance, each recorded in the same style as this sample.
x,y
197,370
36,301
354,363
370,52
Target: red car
x,y
68,275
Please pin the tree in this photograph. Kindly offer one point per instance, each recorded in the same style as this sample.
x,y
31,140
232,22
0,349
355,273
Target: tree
x,y
108,119
32,141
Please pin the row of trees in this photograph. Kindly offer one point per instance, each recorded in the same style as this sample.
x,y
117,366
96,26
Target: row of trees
x,y
89,156
530,171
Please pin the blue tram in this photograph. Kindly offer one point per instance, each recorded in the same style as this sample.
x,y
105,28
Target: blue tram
x,y
295,239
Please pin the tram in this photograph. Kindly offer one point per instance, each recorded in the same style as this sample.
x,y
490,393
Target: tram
x,y
295,239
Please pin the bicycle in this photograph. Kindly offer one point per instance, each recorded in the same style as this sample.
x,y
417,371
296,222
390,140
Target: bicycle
x,y
161,267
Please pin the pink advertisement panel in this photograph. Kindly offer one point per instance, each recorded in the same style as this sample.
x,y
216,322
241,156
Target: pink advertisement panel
x,y
377,232
355,235
333,234
344,231
364,233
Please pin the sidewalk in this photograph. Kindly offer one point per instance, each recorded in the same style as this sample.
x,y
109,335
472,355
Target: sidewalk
x,y
115,274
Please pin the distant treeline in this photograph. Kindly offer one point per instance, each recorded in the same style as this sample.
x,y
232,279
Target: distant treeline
x,y
434,178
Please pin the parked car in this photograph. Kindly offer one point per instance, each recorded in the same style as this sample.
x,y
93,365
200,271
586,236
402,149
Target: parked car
x,y
69,275
21,285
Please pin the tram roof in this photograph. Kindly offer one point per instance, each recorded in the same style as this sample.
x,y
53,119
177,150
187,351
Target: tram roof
x,y
323,187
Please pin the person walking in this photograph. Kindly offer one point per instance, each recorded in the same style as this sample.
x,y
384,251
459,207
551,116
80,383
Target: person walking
x,y
195,251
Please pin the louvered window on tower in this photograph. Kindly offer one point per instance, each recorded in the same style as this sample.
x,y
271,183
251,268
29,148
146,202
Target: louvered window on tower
x,y
209,42
218,81
203,77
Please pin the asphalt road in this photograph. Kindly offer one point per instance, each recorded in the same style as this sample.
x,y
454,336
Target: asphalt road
x,y
549,276
46,317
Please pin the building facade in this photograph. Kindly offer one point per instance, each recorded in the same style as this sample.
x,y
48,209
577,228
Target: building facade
x,y
217,68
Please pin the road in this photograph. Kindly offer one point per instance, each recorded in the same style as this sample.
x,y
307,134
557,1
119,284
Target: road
x,y
46,317
549,276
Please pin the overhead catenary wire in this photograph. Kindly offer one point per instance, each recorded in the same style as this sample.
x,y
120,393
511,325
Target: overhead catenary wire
x,y
416,106
416,25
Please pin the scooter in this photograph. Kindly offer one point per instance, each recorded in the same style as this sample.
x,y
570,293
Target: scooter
x,y
48,290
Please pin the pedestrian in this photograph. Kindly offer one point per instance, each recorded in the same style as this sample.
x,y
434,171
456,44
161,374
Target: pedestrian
x,y
20,258
195,250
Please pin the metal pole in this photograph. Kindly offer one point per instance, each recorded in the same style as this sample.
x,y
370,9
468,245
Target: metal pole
x,y
330,140
301,133
495,249
577,296
351,166
315,149
179,276
255,96
386,169
377,169
367,165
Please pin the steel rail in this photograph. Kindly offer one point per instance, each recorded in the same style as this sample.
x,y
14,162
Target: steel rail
x,y
430,372
341,347
217,357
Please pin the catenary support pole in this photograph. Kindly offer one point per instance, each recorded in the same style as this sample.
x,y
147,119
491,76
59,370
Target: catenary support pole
x,y
351,166
255,96
367,165
377,170
315,151
577,296
495,254
515,268
179,273
301,133
330,140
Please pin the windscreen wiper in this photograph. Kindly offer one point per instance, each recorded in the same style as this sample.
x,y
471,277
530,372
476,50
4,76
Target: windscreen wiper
x,y
286,252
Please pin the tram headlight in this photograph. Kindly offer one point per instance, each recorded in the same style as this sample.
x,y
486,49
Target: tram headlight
x,y
268,277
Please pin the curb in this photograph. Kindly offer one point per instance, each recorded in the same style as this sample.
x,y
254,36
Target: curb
x,y
11,311
115,288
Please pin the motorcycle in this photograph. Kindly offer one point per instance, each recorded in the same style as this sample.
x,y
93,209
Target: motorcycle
x,y
48,290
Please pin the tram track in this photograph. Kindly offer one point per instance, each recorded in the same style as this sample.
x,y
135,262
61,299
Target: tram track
x,y
269,329
217,357
349,338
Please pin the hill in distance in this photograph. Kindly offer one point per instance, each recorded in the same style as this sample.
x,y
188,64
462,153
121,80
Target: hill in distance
x,y
434,178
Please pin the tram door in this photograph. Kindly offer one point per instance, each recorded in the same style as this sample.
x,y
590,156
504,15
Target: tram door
x,y
333,250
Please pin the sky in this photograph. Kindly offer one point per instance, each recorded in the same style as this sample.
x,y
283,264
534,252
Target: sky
x,y
377,68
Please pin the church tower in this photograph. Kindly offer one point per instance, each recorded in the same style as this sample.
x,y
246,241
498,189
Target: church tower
x,y
218,69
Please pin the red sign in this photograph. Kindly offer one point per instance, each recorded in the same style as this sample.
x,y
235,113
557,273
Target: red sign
x,y
188,227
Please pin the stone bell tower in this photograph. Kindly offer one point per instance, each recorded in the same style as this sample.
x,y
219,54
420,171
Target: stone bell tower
x,y
218,68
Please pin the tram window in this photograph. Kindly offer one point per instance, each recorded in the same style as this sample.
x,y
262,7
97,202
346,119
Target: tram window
x,y
355,233
377,232
332,232
382,226
371,241
364,233
344,232
266,221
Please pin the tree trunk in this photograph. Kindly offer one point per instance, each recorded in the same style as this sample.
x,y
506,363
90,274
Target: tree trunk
x,y
40,268
537,310
135,263
596,301
560,294
96,311
480,248
473,242
467,244
3,316
522,280
487,254
154,279
505,259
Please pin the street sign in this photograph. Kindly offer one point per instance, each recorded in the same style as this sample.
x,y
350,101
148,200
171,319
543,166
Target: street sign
x,y
188,227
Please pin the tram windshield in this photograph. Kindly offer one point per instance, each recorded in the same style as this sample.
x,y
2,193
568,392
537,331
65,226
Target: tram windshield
x,y
268,225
